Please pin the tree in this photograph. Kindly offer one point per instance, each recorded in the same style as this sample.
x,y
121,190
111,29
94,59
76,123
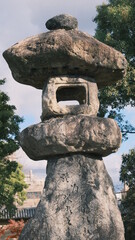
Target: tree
x,y
127,176
116,27
13,229
12,182
127,172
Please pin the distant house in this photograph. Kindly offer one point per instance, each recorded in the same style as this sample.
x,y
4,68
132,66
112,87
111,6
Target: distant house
x,y
122,194
34,191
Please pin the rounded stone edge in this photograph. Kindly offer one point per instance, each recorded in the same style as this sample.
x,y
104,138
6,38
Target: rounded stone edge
x,y
45,140
27,67
62,21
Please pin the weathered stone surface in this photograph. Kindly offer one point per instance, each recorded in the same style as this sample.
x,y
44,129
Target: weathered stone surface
x,y
62,21
69,88
70,134
57,53
78,203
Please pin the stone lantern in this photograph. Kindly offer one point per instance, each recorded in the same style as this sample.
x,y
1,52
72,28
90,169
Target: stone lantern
x,y
78,202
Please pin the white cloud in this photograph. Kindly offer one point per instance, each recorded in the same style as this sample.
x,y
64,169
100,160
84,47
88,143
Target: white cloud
x,y
84,11
113,161
27,163
113,165
131,114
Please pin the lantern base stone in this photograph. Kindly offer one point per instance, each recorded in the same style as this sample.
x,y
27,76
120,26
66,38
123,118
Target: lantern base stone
x,y
78,202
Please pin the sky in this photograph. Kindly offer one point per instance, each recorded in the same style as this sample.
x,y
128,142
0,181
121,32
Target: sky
x,y
25,18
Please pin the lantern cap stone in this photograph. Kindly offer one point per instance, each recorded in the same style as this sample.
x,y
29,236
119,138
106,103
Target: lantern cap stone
x,y
62,21
60,52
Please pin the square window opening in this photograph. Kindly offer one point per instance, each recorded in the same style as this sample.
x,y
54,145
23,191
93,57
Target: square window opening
x,y
71,95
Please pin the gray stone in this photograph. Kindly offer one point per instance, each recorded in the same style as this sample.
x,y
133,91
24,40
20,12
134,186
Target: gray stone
x,y
71,134
58,53
78,203
62,89
63,21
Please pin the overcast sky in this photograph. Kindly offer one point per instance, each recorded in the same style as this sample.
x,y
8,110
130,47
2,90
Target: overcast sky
x,y
21,19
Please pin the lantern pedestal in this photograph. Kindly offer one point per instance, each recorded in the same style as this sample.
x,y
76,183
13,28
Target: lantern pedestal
x,y
78,202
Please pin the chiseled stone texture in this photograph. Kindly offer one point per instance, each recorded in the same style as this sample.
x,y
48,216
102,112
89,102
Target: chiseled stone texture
x,y
62,21
83,90
78,203
60,52
70,134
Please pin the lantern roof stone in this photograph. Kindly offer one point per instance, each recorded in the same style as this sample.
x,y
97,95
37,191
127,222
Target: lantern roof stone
x,y
64,52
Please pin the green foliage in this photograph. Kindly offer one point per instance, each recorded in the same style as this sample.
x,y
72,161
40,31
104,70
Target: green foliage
x,y
12,182
127,172
128,214
127,175
9,126
115,27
